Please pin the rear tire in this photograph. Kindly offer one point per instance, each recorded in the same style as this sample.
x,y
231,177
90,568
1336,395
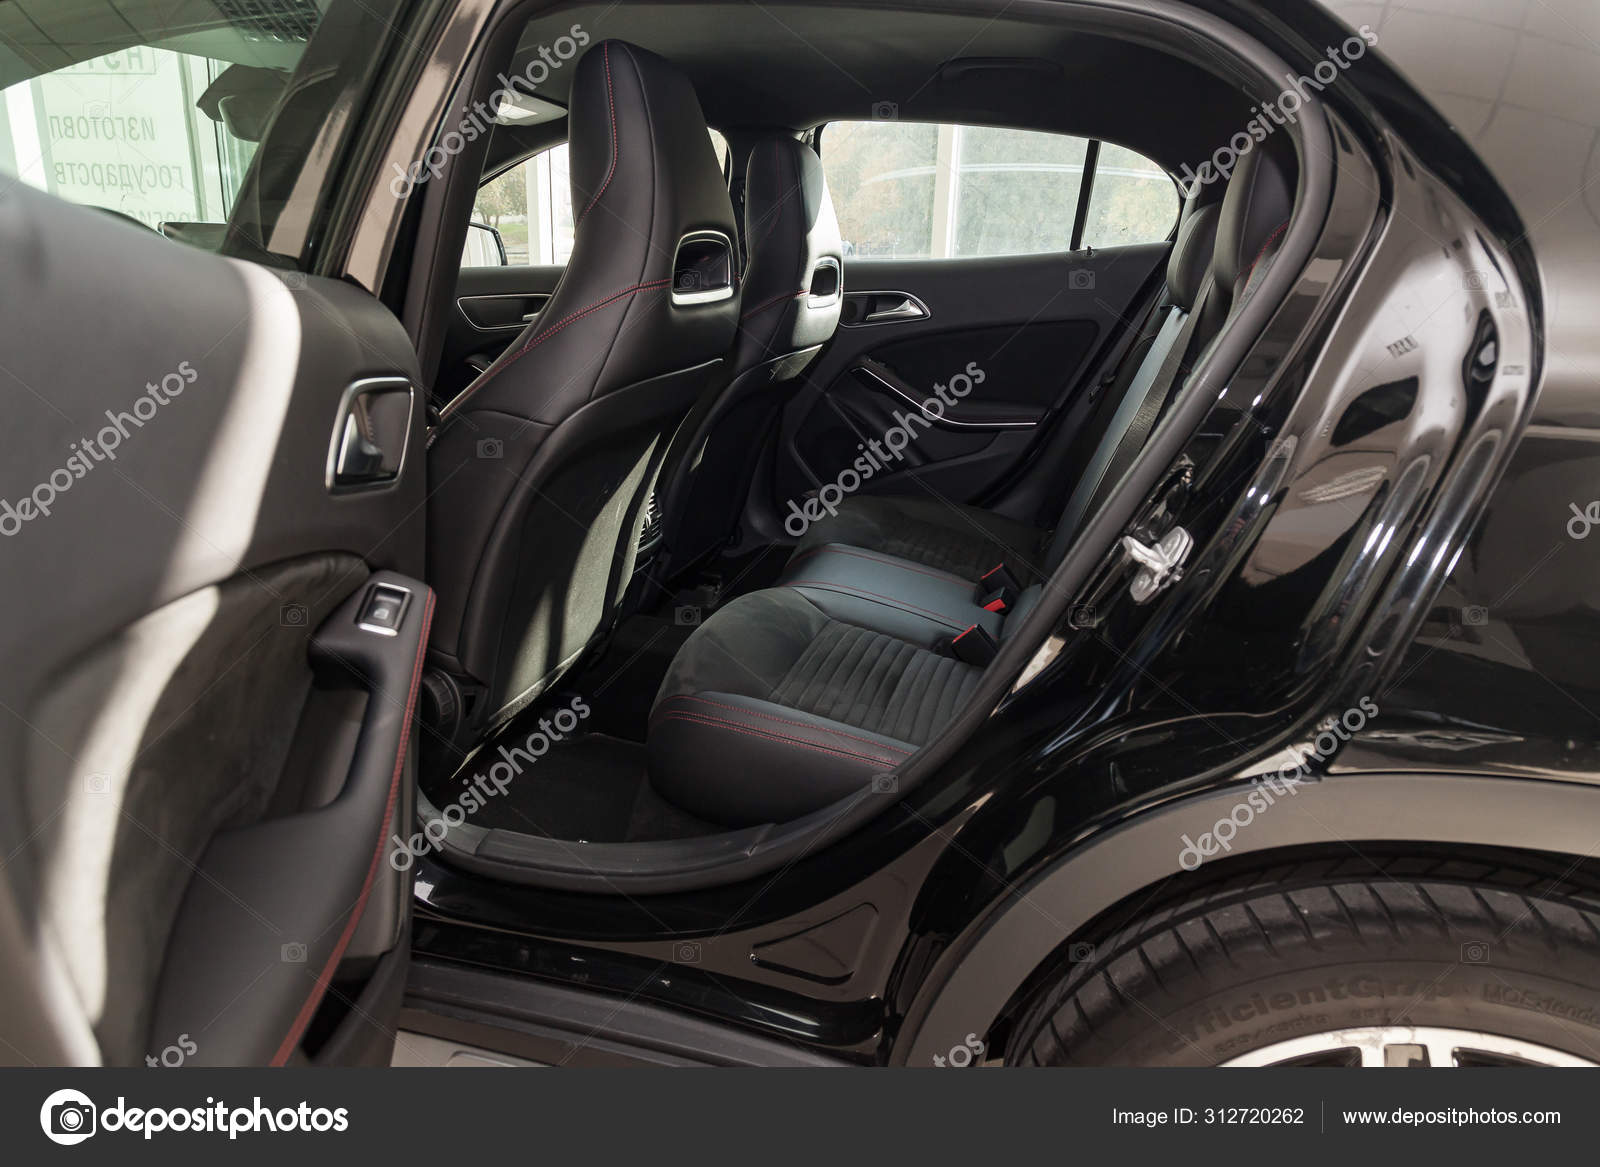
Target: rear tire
x,y
1509,949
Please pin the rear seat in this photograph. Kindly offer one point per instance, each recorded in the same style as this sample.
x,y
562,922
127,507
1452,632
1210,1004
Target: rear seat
x,y
793,697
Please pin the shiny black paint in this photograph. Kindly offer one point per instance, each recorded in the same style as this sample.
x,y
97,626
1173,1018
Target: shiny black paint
x,y
1272,630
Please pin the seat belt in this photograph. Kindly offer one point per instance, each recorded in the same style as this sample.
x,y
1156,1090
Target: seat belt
x,y
1173,371
1112,369
1115,371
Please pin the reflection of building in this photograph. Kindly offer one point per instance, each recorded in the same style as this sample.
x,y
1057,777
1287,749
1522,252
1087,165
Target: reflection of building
x,y
123,132
549,207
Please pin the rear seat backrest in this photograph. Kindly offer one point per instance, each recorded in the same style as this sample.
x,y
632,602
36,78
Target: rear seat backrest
x,y
1188,271
1219,257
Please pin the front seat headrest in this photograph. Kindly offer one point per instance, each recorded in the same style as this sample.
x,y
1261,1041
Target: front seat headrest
x,y
650,286
792,290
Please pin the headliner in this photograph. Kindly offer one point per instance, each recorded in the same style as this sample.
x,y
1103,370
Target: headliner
x,y
799,65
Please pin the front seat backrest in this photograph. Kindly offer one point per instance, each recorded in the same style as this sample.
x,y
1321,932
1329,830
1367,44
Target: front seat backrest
x,y
790,308
541,469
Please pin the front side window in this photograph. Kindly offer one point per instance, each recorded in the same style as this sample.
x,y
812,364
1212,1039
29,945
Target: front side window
x,y
155,111
913,190
124,131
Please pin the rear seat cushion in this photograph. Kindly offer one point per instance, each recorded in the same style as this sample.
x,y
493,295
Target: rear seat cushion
x,y
961,540
772,709
921,605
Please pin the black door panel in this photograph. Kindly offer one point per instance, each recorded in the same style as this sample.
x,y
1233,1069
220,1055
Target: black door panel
x,y
492,305
253,926
1024,331
1023,363
954,461
171,530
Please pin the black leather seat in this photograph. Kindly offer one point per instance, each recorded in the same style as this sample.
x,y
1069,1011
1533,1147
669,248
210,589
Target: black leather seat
x,y
540,471
791,298
793,697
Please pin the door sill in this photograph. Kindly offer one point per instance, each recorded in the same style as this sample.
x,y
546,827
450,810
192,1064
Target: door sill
x,y
473,1017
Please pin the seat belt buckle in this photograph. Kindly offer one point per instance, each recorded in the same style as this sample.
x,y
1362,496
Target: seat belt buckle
x,y
997,589
998,576
974,646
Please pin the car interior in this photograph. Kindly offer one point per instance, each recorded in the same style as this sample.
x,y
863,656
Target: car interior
x,y
723,414
697,478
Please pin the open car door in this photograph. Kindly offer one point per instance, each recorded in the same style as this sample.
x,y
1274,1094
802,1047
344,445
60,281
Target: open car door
x,y
211,527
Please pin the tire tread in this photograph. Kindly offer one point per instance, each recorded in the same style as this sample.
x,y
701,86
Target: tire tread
x,y
1308,905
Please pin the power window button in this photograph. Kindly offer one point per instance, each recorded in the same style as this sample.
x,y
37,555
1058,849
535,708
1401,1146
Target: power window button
x,y
384,609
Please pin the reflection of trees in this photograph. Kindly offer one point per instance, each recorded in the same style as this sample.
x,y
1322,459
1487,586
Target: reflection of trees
x,y
884,217
506,195
1017,191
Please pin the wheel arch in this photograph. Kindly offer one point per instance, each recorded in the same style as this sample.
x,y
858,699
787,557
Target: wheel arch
x,y
987,967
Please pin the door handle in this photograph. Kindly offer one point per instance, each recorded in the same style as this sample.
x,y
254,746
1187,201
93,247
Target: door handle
x,y
907,309
884,307
371,432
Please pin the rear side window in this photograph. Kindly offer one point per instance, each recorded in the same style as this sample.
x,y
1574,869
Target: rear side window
x,y
920,190
1132,200
531,205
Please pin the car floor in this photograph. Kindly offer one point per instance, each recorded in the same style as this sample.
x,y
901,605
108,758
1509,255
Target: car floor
x,y
593,785
590,788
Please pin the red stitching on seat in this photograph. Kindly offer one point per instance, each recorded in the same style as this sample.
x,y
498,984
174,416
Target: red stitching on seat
x,y
612,102
303,1018
1278,230
789,721
717,723
534,342
887,561
771,302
